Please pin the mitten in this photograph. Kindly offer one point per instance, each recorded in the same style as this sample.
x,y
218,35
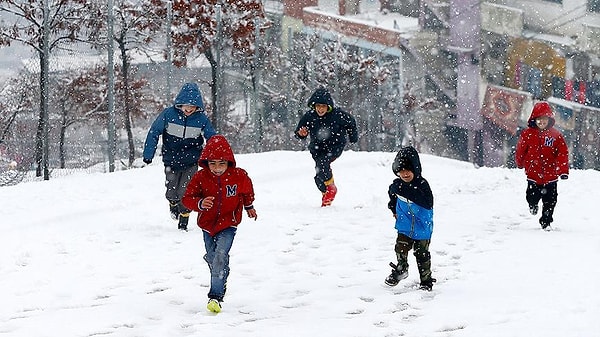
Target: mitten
x,y
564,176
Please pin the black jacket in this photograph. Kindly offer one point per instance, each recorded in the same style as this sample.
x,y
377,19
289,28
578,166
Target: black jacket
x,y
330,131
418,190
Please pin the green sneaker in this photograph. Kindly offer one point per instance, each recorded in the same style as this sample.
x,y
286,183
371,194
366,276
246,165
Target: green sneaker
x,y
213,306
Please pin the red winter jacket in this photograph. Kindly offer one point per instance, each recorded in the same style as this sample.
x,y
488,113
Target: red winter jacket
x,y
232,190
543,153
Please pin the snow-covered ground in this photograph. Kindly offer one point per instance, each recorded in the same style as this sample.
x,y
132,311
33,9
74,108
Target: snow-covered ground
x,y
98,255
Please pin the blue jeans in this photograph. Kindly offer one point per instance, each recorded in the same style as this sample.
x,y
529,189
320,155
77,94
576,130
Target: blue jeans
x,y
217,257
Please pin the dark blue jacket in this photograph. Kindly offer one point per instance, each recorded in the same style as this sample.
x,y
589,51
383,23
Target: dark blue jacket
x,y
182,136
330,131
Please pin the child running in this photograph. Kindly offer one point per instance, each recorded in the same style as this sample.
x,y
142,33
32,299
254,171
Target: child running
x,y
544,154
218,192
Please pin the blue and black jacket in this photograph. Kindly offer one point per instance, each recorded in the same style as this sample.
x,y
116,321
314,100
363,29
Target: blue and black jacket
x,y
182,136
411,202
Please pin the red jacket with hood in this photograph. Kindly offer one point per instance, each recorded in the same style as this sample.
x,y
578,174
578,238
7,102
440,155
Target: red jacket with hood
x,y
543,153
232,190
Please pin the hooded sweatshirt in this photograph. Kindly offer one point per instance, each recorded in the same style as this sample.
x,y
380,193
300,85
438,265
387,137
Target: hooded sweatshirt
x,y
233,190
182,135
543,153
411,202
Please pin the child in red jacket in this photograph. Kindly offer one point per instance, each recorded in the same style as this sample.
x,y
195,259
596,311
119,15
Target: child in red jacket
x,y
218,192
544,154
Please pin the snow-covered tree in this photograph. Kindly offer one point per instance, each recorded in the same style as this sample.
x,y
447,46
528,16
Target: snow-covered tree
x,y
44,26
217,29
136,30
16,99
83,100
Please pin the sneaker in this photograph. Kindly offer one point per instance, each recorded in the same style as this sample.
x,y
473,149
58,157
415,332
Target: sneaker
x,y
533,209
427,284
329,195
396,276
174,210
183,221
213,306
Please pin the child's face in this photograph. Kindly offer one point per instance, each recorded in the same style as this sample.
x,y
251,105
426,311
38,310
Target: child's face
x,y
542,122
217,167
188,109
321,109
406,175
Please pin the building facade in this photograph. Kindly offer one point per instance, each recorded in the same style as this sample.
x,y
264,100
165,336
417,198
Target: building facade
x,y
488,61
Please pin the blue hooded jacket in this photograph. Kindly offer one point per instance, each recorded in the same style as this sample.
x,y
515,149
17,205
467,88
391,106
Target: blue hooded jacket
x,y
412,202
182,136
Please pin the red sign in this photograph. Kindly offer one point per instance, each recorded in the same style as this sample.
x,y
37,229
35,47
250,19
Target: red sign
x,y
502,106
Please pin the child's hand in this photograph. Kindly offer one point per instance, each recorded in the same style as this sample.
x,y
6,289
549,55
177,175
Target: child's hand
x,y
303,132
206,203
252,214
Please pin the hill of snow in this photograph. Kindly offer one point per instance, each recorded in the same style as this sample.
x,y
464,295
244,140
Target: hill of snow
x,y
98,255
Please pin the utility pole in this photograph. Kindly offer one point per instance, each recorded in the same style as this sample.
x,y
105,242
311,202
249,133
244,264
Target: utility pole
x,y
111,145
45,73
256,106
219,70
169,51
399,119
465,28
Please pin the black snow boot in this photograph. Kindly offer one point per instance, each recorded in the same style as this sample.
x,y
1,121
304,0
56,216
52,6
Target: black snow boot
x,y
397,275
183,221
174,209
427,284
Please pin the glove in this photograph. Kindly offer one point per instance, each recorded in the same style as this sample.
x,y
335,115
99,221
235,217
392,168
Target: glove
x,y
147,161
564,176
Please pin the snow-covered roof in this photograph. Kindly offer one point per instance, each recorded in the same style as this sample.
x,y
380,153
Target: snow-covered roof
x,y
390,21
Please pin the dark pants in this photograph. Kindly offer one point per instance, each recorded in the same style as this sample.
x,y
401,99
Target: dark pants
x,y
323,160
404,244
176,183
547,193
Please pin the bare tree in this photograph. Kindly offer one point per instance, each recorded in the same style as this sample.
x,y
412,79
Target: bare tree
x,y
84,99
44,26
215,28
137,28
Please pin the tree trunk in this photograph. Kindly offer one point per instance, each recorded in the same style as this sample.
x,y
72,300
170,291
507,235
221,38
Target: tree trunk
x,y
39,144
127,93
63,135
213,88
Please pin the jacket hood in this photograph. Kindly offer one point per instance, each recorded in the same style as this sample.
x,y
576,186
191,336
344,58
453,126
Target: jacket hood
x,y
189,95
217,148
541,109
321,96
407,158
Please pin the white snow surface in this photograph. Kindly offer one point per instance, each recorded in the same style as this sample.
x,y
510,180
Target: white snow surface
x,y
98,255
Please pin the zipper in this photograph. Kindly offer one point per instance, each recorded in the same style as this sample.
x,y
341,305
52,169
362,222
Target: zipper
x,y
218,202
412,219
184,126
